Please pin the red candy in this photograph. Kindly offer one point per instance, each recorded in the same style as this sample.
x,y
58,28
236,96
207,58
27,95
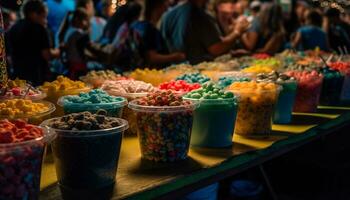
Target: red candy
x,y
18,131
261,56
343,67
179,85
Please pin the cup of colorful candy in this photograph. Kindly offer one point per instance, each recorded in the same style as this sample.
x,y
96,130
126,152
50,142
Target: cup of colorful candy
x,y
255,69
179,87
164,122
215,117
286,97
21,89
344,68
22,149
93,101
97,78
194,78
32,111
86,151
131,90
152,76
308,90
62,86
255,107
332,85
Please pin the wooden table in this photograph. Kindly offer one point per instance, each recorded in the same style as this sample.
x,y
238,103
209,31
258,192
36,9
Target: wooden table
x,y
139,179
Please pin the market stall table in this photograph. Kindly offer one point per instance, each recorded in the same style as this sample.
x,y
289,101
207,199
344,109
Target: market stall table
x,y
139,179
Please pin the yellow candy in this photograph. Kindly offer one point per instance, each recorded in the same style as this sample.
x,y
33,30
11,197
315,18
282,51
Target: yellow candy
x,y
15,107
259,69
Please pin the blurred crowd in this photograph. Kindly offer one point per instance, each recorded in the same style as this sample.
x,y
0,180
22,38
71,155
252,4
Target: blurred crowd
x,y
70,37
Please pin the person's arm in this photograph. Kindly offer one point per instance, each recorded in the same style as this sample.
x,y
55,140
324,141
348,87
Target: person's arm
x,y
273,45
155,58
226,43
296,40
49,54
249,40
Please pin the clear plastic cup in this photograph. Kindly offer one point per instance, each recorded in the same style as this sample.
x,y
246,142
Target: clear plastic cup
x,y
86,161
20,167
37,118
214,122
39,95
285,102
114,109
255,112
331,90
53,97
308,95
164,131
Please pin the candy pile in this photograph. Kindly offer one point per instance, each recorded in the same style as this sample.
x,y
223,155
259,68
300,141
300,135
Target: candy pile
x,y
226,81
14,108
261,56
152,76
97,78
19,88
274,77
179,86
308,91
209,91
62,84
258,69
123,87
343,67
20,165
194,78
93,97
164,131
84,121
255,108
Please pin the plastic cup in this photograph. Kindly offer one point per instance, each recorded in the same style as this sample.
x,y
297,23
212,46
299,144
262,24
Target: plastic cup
x,y
86,161
255,112
114,109
331,90
207,193
20,168
164,132
345,92
39,95
214,122
54,96
285,102
308,95
37,118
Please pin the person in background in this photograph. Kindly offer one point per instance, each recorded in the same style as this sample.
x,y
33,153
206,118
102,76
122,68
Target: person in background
x,y
311,35
188,28
267,32
97,24
30,44
153,49
254,9
57,11
76,39
224,10
337,30
300,9
9,17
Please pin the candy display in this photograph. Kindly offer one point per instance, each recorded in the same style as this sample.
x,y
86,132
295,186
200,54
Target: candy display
x,y
131,90
261,56
215,117
62,86
97,78
22,148
308,91
86,150
344,68
35,112
194,78
255,107
226,81
332,86
179,86
21,89
258,69
164,123
286,97
270,62
152,76
93,101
